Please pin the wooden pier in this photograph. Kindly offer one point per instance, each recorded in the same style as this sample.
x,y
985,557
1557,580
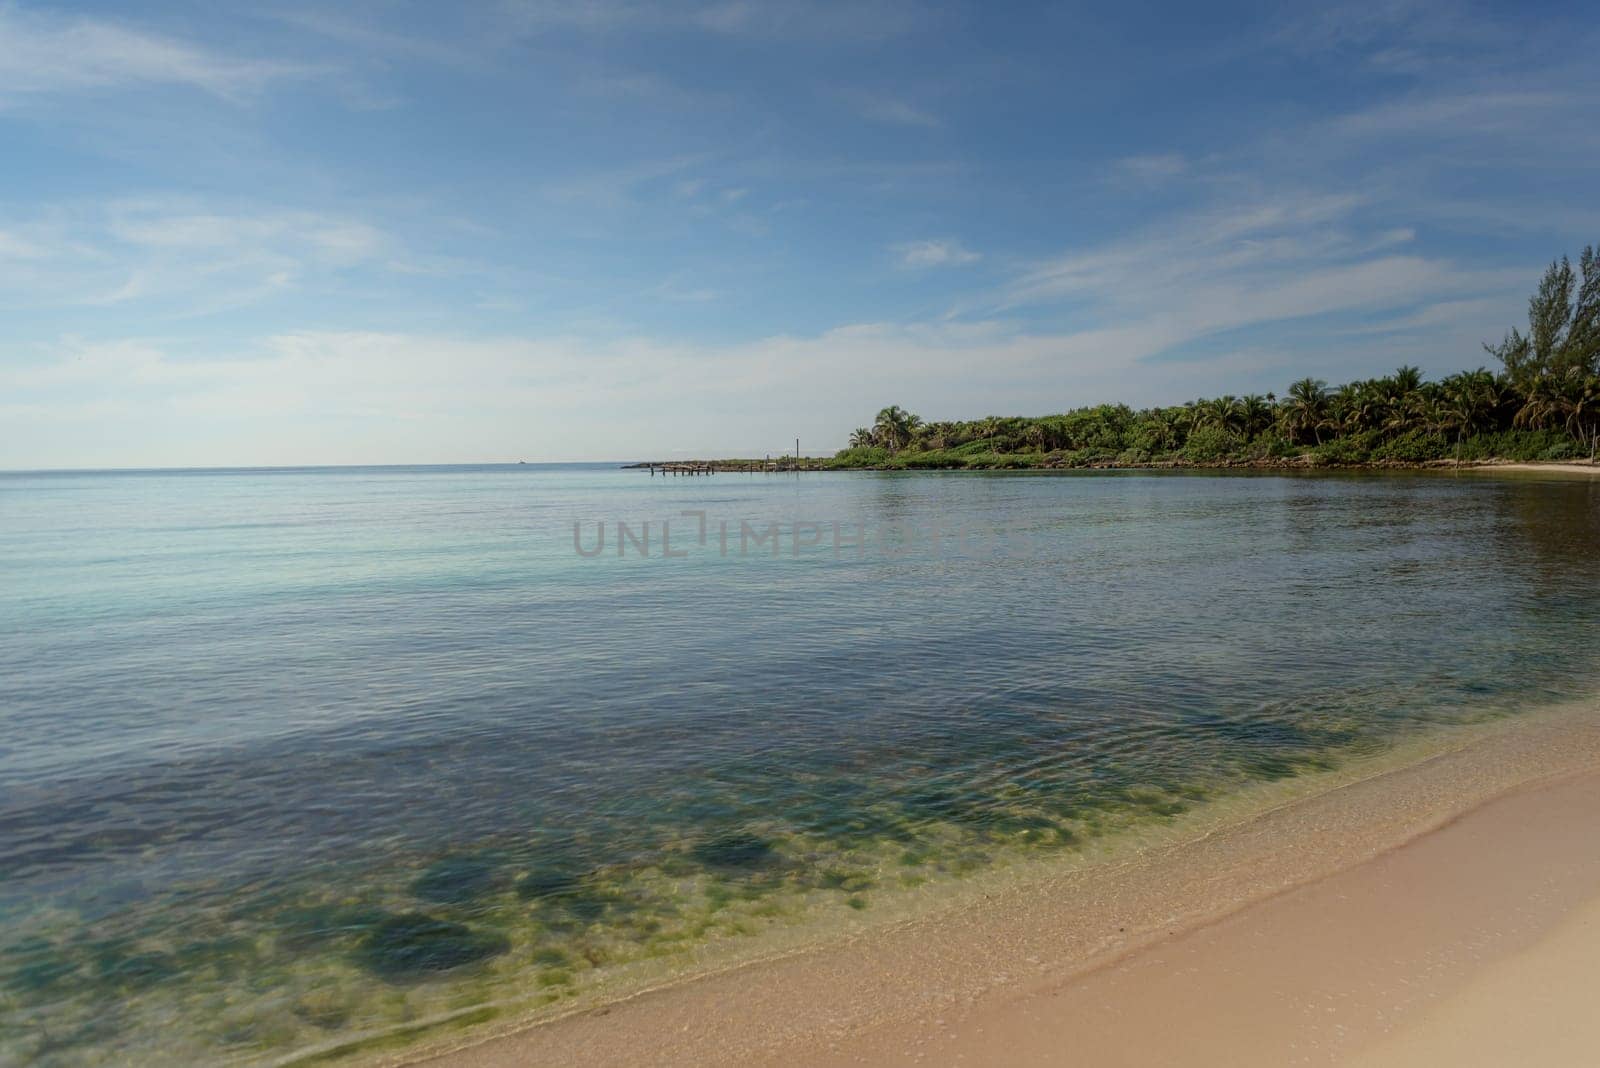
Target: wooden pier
x,y
712,467
692,468
792,462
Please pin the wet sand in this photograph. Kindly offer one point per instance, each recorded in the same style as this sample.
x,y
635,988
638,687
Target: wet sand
x,y
1369,924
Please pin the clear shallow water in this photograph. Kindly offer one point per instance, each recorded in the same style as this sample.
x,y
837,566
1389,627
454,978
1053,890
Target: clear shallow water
x,y
291,757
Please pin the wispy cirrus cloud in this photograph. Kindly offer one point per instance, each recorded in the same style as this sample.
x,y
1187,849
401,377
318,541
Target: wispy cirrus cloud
x,y
1254,235
14,247
163,251
1483,114
46,52
618,188
1401,36
1152,169
921,254
834,21
376,37
891,110
1298,256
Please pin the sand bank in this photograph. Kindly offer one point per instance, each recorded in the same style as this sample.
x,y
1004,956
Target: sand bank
x,y
1540,468
1366,921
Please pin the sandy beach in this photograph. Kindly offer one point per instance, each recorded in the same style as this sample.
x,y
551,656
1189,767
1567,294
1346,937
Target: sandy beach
x,y
1369,924
1474,944
1541,468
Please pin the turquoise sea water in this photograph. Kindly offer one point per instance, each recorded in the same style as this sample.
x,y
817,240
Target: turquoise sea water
x,y
296,757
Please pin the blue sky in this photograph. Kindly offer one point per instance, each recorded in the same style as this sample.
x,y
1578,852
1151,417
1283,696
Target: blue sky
x,y
279,233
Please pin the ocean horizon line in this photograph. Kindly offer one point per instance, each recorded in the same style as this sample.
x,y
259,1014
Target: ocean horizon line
x,y
269,468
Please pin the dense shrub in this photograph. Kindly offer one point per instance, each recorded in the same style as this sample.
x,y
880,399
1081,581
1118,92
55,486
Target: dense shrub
x,y
862,456
1414,446
1150,436
1354,449
1519,445
929,460
1269,447
1209,443
994,460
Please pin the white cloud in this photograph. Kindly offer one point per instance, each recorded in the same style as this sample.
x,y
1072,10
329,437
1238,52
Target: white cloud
x,y
367,35
675,289
172,249
1493,311
835,21
46,52
893,111
1153,169
16,248
1476,114
617,189
1298,256
1445,30
934,254
1190,249
363,396
157,226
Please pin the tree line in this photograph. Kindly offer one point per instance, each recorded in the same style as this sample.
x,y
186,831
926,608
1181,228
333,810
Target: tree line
x,y
1543,403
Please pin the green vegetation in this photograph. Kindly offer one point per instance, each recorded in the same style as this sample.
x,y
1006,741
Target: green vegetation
x,y
1543,404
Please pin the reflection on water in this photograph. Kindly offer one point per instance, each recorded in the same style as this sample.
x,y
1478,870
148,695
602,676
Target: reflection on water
x,y
297,757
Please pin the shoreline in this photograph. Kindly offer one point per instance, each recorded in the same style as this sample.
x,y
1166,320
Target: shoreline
x,y
1431,954
1029,462
1018,932
1552,467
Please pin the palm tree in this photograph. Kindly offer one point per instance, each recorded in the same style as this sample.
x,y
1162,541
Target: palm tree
x,y
1307,407
1429,412
990,429
1400,399
1255,414
893,427
860,438
1583,412
1172,427
1191,416
1222,412
1472,400
1407,412
1543,404
1406,380
1360,406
